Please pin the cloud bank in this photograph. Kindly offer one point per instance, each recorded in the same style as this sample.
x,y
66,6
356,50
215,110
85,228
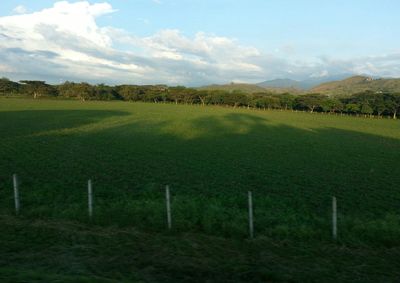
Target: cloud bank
x,y
65,42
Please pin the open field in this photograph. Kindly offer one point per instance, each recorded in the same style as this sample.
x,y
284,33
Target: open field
x,y
210,156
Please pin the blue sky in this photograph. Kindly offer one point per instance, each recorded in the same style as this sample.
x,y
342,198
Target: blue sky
x,y
297,39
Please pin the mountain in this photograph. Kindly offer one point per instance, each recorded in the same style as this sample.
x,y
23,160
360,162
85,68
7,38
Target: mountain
x,y
250,88
305,84
357,84
339,87
281,83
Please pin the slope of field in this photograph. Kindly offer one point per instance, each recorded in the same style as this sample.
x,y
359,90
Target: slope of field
x,y
210,156
358,84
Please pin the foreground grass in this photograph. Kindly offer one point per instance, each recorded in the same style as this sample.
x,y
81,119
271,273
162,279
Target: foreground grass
x,y
210,156
49,251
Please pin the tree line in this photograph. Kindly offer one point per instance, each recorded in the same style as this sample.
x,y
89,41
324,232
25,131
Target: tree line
x,y
366,103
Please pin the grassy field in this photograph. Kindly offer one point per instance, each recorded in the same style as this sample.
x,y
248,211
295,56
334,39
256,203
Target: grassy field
x,y
210,156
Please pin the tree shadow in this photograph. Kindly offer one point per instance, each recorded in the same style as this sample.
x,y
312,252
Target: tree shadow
x,y
20,123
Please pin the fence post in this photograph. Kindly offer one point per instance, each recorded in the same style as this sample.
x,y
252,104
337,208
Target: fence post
x,y
334,218
16,194
251,224
168,203
90,199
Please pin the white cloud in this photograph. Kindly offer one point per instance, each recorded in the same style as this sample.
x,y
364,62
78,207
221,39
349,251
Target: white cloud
x,y
66,41
20,9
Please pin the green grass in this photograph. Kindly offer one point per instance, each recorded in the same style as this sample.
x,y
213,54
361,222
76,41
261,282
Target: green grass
x,y
210,157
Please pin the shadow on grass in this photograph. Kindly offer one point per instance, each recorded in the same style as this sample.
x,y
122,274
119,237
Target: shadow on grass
x,y
20,123
292,172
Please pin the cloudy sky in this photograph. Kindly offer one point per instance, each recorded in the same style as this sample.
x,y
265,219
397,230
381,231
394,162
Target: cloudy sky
x,y
197,42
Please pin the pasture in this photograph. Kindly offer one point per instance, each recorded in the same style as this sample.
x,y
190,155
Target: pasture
x,y
210,157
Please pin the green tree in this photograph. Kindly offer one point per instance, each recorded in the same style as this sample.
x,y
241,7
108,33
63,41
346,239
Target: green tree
x,y
366,109
310,101
286,101
8,87
38,88
352,108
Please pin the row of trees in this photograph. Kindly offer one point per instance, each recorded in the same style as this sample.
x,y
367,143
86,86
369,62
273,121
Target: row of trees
x,y
366,103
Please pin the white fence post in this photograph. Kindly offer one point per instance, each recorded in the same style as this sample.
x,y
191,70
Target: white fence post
x,y
334,218
251,223
90,199
16,194
168,203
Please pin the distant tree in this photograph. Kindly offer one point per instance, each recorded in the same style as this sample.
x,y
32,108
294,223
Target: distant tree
x,y
217,97
310,101
366,109
352,108
131,92
332,105
84,91
38,88
286,101
67,89
392,102
235,98
8,87
104,92
176,94
203,97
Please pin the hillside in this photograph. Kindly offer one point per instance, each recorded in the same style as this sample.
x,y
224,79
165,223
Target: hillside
x,y
248,88
305,84
251,88
281,83
357,84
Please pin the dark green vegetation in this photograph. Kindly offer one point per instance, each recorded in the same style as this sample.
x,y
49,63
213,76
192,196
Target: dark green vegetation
x,y
211,157
366,103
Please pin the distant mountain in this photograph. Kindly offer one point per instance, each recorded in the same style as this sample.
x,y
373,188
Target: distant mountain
x,y
250,88
339,87
281,83
302,84
357,84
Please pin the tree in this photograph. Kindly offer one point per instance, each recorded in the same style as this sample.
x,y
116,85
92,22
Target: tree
x,y
131,92
352,108
392,102
366,109
84,91
203,96
104,92
332,105
286,101
176,94
8,87
310,101
235,98
38,88
217,97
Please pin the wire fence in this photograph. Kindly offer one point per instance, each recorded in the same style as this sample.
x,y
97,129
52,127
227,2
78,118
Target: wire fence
x,y
91,207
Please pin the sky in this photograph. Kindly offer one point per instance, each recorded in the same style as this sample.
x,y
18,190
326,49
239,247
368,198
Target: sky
x,y
197,42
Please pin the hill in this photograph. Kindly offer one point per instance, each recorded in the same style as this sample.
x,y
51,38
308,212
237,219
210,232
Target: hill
x,y
248,88
357,84
251,88
304,85
281,83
